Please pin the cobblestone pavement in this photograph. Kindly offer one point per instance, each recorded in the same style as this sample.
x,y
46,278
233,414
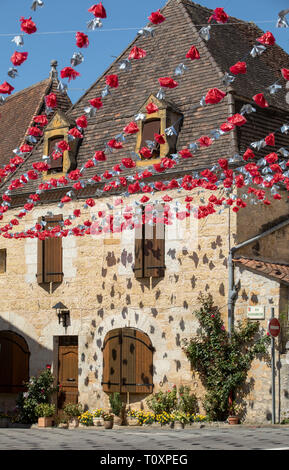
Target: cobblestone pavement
x,y
240,438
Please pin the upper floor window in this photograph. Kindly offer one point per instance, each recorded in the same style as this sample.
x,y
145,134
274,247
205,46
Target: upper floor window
x,y
149,129
56,165
3,256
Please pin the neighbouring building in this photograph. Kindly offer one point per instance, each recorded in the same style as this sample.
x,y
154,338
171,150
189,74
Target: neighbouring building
x,y
127,299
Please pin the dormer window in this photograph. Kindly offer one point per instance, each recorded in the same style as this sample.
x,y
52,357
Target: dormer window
x,y
164,116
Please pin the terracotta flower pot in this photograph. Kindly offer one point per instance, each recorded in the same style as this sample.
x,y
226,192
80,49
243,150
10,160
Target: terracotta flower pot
x,y
233,420
45,422
108,424
98,421
178,425
74,423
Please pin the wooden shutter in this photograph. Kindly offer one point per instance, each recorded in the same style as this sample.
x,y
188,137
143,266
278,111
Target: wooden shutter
x,y
14,360
154,246
49,254
111,379
128,360
3,255
56,165
150,128
53,253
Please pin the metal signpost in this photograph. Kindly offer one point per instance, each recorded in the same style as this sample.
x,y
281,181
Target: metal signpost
x,y
274,329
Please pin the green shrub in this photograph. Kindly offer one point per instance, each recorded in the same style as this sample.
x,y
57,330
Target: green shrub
x,y
162,402
39,390
188,402
45,410
115,403
73,410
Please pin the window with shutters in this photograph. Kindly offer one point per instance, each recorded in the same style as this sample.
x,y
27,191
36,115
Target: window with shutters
x,y
150,244
3,256
127,362
49,253
56,165
149,129
14,360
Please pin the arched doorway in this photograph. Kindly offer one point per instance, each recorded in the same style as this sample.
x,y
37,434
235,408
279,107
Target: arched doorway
x,y
14,360
127,362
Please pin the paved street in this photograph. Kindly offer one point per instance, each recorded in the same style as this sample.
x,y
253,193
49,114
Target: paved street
x,y
239,438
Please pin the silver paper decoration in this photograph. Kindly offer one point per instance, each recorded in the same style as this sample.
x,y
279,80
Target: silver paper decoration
x,y
180,70
274,88
2,100
258,145
36,4
125,65
31,139
203,101
62,88
140,117
105,92
160,94
283,152
76,59
284,129
147,31
228,79
90,111
216,133
170,131
19,41
12,72
257,50
282,22
94,24
205,33
247,109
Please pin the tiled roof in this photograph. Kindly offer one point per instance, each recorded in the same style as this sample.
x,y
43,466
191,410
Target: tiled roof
x,y
18,111
280,272
172,40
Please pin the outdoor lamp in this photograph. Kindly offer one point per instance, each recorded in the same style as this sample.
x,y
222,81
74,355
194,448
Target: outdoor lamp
x,y
62,313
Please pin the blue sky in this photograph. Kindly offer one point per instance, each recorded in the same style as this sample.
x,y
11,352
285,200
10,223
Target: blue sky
x,y
72,15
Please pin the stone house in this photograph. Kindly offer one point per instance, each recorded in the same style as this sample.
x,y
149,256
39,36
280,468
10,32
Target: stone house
x,y
109,311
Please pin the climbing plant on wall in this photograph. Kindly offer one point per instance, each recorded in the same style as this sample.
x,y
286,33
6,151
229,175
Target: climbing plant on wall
x,y
223,362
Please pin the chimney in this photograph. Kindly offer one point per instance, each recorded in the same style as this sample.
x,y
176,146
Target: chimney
x,y
53,71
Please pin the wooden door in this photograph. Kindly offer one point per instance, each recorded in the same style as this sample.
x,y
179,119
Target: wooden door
x,y
67,374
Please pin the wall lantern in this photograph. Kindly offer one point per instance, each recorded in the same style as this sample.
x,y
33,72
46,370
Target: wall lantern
x,y
62,313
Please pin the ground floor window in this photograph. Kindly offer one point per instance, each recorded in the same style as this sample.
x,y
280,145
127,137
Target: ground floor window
x,y
127,361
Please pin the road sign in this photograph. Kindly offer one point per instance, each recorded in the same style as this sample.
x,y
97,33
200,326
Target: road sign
x,y
274,327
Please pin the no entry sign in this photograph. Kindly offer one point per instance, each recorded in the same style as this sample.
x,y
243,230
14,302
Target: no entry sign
x,y
274,327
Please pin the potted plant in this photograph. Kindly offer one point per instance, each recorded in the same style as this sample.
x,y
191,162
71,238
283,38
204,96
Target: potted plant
x,y
73,411
234,413
180,420
116,408
108,420
4,420
45,413
97,417
132,418
86,419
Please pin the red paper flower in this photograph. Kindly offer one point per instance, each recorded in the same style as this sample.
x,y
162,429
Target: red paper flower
x,y
128,163
77,213
160,139
70,73
51,100
75,133
272,158
145,152
112,81
285,73
227,127
156,17
267,39
152,108
90,202
63,145
100,156
6,89
26,148
81,122
74,175
193,53
114,144
185,153
137,53
35,131
260,100
96,103
219,15
41,120
65,199
239,68
131,128
223,162
214,96
237,120
205,141
32,175
248,154
144,199
167,82
98,10
270,140
27,25
18,58
82,40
